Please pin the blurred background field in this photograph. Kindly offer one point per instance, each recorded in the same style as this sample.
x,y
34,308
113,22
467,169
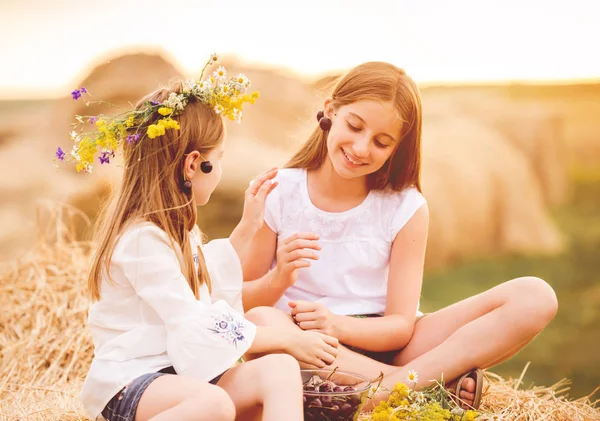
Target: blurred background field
x,y
511,161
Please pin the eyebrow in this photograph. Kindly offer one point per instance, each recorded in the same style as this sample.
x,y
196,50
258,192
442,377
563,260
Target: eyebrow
x,y
361,119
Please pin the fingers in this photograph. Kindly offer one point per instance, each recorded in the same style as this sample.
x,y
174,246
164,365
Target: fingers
x,y
299,254
326,357
312,325
318,362
300,236
304,317
301,264
331,350
259,181
300,244
330,340
298,249
265,189
305,306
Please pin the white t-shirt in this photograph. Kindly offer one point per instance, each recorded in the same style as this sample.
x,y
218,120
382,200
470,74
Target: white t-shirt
x,y
351,275
149,319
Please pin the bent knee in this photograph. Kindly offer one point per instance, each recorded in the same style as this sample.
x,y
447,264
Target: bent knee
x,y
222,405
278,367
538,300
267,316
283,362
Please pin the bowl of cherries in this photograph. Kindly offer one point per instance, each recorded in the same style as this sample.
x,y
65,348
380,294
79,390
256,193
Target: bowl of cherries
x,y
333,395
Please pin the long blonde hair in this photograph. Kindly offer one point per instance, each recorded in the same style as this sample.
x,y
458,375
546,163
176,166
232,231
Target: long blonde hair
x,y
151,188
381,82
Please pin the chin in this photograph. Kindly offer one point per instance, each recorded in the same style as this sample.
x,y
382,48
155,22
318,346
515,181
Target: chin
x,y
202,201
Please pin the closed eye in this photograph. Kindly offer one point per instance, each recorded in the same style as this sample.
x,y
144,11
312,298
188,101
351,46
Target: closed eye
x,y
358,129
353,128
380,145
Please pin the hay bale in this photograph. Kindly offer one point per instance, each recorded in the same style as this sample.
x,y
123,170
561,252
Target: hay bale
x,y
483,195
536,130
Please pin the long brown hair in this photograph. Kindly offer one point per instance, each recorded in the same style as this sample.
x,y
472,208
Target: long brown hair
x,y
381,82
151,188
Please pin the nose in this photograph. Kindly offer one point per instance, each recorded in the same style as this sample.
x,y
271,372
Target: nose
x,y
360,148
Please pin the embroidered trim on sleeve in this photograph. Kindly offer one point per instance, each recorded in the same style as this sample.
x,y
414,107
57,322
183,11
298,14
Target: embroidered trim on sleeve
x,y
229,327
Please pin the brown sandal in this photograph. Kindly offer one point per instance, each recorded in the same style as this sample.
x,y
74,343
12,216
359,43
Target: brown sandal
x,y
476,375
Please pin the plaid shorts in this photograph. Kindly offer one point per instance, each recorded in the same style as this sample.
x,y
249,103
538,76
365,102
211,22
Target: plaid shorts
x,y
123,406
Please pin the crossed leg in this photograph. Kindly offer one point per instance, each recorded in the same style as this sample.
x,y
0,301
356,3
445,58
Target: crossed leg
x,y
478,332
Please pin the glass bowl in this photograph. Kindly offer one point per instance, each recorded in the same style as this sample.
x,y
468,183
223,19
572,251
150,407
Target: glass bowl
x,y
333,395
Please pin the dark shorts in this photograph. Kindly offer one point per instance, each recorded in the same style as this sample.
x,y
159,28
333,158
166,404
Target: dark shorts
x,y
123,406
386,357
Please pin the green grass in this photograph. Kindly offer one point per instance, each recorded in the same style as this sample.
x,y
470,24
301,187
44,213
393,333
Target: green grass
x,y
568,347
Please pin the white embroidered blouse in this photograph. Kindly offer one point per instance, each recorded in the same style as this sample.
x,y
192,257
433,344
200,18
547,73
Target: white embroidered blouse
x,y
351,275
149,319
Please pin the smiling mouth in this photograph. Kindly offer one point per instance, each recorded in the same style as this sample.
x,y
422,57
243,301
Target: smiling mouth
x,y
352,161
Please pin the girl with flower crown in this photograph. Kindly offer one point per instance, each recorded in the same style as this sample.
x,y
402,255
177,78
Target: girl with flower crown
x,y
166,318
351,199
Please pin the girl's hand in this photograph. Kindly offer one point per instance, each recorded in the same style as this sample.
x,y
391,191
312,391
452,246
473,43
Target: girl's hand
x,y
291,255
255,198
313,316
312,348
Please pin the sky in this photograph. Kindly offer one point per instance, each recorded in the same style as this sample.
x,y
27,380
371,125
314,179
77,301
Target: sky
x,y
47,46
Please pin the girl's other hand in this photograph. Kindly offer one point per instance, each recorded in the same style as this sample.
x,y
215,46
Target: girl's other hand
x,y
313,316
312,348
292,254
255,198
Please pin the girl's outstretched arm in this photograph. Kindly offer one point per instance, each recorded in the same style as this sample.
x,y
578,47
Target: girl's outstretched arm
x,y
312,348
259,258
293,253
405,278
252,220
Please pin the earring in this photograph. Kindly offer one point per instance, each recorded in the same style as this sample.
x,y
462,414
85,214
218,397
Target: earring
x,y
324,122
187,184
206,167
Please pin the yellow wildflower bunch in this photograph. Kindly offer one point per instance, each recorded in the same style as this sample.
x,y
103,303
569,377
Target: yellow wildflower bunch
x,y
225,95
405,404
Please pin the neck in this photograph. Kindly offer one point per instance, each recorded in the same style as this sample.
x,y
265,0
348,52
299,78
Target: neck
x,y
329,183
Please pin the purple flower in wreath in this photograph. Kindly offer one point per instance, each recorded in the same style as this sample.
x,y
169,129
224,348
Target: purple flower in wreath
x,y
105,158
60,154
76,94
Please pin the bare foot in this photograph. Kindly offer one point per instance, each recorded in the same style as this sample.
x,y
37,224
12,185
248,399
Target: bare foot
x,y
466,394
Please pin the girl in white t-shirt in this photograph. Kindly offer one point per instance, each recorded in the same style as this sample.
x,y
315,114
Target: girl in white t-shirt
x,y
168,326
346,234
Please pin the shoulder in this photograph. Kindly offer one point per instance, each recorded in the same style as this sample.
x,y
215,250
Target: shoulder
x,y
141,238
289,180
290,175
141,230
408,197
396,208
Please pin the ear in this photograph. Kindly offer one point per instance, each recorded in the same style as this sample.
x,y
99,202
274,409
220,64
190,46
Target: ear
x,y
191,164
328,108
